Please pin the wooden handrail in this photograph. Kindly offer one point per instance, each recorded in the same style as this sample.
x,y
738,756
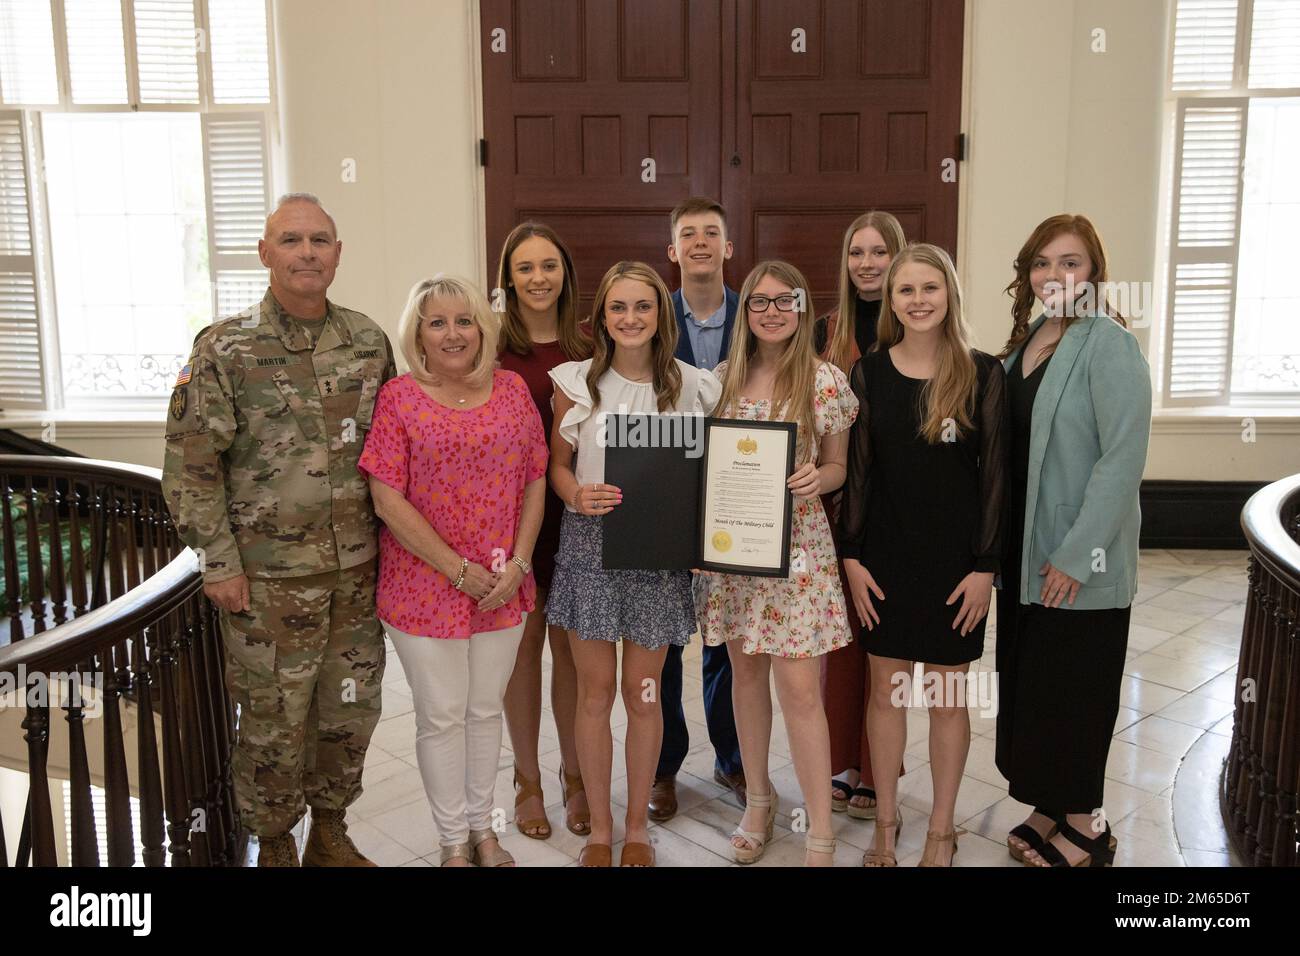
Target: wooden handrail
x,y
125,611
1263,520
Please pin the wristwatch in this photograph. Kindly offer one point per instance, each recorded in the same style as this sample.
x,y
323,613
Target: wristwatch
x,y
523,565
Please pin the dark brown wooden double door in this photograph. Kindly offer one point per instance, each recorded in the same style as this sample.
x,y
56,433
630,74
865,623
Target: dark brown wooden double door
x,y
601,115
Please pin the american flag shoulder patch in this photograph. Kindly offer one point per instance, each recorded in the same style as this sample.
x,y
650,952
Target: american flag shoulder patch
x,y
184,376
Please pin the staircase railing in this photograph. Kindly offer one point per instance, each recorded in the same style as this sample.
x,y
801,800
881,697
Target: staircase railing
x,y
106,612
1262,775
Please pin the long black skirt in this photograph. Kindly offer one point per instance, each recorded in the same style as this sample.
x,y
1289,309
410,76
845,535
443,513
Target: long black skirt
x,y
1059,677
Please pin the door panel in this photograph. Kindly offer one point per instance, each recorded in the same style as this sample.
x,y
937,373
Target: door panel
x,y
860,115
795,132
585,93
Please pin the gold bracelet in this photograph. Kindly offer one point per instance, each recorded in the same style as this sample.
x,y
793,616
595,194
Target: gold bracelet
x,y
460,578
573,501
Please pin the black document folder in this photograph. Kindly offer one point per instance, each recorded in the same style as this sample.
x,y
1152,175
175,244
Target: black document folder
x,y
657,524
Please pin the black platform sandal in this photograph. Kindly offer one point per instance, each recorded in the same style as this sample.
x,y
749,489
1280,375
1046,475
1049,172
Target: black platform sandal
x,y
1101,851
863,813
1031,836
840,794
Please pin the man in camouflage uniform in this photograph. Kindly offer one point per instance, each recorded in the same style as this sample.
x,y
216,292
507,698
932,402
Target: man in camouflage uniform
x,y
264,430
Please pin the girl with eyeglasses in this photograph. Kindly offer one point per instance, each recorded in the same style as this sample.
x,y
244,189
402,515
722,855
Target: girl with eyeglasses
x,y
783,626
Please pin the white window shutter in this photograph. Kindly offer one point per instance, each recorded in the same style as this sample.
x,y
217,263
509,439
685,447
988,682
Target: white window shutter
x,y
166,51
239,51
1205,39
28,73
235,151
96,51
1275,37
22,380
1211,136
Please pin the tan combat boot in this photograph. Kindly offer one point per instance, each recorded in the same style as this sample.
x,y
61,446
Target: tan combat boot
x,y
278,850
328,843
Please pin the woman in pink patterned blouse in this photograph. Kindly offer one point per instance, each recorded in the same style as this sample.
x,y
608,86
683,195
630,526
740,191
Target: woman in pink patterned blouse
x,y
456,458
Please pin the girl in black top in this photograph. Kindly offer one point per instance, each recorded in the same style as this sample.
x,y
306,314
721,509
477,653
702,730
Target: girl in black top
x,y
920,528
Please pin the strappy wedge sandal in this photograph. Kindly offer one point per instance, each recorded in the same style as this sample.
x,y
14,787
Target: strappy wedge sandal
x,y
863,813
525,788
456,851
578,824
841,793
812,844
1101,851
497,856
757,841
874,857
936,840
1030,836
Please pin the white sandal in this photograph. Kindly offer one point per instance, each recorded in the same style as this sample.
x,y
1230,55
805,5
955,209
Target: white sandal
x,y
757,841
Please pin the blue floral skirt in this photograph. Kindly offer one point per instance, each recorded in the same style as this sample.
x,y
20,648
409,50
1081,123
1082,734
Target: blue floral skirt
x,y
652,609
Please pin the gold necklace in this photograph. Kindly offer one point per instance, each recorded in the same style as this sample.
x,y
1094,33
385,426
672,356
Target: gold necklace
x,y
437,384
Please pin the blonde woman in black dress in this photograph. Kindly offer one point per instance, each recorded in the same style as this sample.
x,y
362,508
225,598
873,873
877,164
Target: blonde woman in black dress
x,y
920,528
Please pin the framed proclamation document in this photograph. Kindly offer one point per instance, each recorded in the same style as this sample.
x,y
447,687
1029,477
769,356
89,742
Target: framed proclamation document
x,y
698,492
744,502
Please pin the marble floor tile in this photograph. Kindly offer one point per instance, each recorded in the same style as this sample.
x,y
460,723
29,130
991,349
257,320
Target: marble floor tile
x,y
1170,737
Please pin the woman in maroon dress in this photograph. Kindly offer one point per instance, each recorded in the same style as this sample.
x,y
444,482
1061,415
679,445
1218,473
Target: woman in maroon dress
x,y
537,292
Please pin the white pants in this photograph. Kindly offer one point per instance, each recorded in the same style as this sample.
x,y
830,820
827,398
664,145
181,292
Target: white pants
x,y
458,687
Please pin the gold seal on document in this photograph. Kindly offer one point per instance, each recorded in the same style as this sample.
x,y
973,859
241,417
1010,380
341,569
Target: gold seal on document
x,y
747,446
721,541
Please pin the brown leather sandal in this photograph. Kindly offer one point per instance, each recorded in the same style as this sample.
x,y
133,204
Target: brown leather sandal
x,y
576,823
936,840
637,854
596,854
525,788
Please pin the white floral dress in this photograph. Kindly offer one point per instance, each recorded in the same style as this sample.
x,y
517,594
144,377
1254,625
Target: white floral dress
x,y
802,615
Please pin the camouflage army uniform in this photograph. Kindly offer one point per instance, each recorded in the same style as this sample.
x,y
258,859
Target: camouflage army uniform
x,y
264,431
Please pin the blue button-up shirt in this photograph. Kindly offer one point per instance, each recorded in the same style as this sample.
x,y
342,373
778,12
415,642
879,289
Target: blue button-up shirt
x,y
706,336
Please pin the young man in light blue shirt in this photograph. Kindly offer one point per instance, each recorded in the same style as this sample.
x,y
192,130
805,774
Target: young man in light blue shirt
x,y
706,314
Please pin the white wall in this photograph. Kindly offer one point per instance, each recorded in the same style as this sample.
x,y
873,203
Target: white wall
x,y
1053,127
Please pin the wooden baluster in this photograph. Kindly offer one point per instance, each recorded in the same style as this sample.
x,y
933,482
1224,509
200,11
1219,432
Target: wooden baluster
x,y
150,782
35,569
1232,769
115,555
1243,721
211,696
148,536
1273,700
13,585
178,819
1283,851
37,734
117,789
209,631
25,834
192,738
1259,785
98,545
58,585
85,840
76,501
131,532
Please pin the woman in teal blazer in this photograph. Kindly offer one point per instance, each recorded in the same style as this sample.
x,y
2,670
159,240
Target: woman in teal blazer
x,y
1079,392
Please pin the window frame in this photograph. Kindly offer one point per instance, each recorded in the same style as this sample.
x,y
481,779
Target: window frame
x,y
1176,103
31,118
